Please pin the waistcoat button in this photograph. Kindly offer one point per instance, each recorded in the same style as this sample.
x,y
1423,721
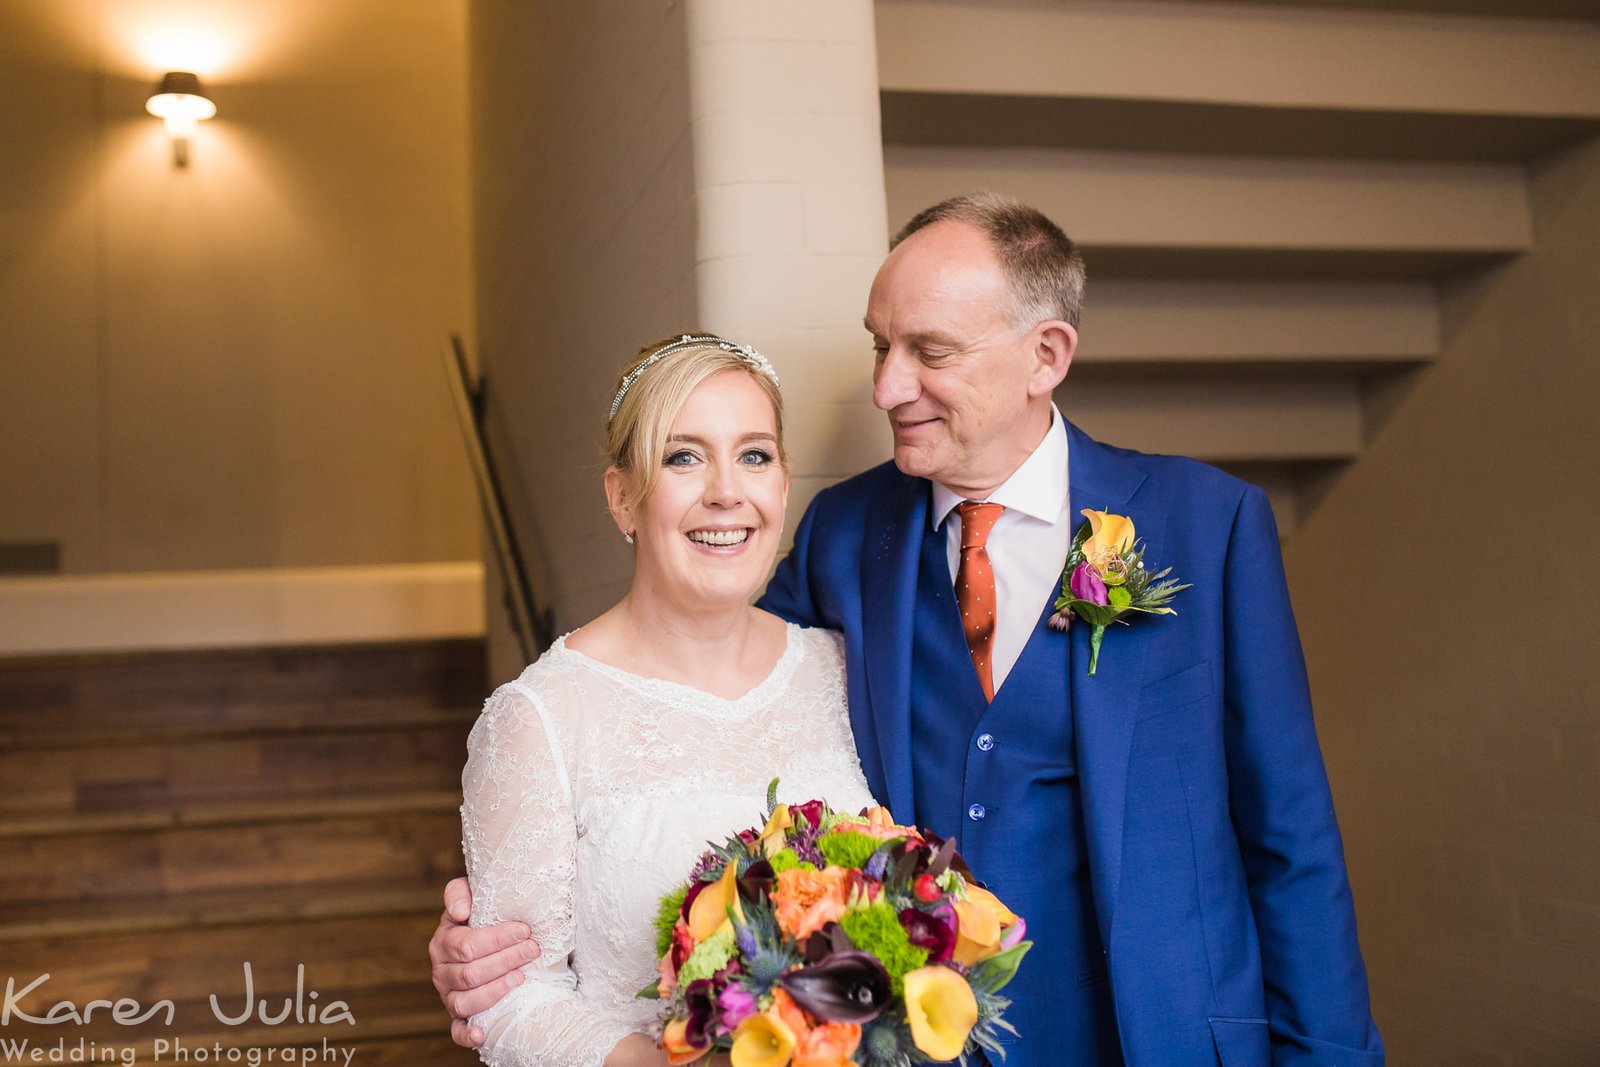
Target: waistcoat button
x,y
976,813
985,742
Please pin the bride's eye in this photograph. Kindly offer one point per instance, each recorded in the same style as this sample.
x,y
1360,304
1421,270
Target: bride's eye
x,y
681,458
755,457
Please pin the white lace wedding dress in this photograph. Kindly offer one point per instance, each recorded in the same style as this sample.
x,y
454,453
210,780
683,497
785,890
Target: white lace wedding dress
x,y
590,792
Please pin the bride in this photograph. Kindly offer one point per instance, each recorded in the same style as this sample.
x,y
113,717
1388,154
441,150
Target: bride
x,y
594,781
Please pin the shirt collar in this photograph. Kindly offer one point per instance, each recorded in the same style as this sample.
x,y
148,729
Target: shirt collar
x,y
1037,489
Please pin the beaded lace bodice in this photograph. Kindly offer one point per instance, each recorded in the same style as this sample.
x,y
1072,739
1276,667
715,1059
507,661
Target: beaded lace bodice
x,y
590,792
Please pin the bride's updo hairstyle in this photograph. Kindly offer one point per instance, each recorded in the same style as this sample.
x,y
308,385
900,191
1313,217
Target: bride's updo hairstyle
x,y
653,390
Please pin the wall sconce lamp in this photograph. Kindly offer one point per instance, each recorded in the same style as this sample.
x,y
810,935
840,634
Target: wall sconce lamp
x,y
181,104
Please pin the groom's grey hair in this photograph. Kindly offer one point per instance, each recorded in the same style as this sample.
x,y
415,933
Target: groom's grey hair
x,y
1043,267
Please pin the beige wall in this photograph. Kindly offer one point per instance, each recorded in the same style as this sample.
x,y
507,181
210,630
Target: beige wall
x,y
721,169
582,171
234,365
1445,589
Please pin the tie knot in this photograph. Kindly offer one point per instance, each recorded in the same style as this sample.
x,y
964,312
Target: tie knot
x,y
977,519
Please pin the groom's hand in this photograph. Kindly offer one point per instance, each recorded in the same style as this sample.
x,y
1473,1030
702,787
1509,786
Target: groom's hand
x,y
473,969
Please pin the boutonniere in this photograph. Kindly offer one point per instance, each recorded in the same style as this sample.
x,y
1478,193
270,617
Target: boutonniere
x,y
1105,579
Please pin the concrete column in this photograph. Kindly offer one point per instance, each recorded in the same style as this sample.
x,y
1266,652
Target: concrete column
x,y
790,210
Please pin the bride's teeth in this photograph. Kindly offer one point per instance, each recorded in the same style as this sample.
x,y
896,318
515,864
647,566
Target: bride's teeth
x,y
719,537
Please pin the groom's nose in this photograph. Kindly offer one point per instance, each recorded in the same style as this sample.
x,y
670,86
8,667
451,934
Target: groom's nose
x,y
894,380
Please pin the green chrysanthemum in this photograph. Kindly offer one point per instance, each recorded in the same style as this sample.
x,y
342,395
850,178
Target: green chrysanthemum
x,y
847,849
876,929
708,957
667,913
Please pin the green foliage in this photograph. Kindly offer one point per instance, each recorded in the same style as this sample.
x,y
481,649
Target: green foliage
x,y
708,957
876,929
667,913
991,975
848,849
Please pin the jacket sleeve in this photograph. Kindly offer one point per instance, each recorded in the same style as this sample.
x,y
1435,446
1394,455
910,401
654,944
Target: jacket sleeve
x,y
789,593
1282,808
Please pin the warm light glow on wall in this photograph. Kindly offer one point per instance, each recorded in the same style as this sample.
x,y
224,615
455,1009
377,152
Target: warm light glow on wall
x,y
198,44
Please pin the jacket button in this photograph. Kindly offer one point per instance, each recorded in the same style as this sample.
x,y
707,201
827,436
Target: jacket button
x,y
985,742
976,813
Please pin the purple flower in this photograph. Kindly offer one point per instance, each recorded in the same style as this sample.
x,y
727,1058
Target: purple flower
x,y
737,1004
701,999
846,987
1086,584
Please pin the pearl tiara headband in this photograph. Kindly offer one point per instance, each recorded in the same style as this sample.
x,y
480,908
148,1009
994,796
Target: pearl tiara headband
x,y
749,356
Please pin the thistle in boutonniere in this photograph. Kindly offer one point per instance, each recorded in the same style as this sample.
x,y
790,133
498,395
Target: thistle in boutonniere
x,y
1105,579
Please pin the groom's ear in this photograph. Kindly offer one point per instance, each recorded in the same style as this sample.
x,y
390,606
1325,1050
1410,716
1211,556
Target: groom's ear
x,y
1054,344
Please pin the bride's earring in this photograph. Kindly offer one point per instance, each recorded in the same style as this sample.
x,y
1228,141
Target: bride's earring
x,y
628,537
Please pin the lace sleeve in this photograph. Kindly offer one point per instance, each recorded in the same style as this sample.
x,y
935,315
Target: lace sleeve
x,y
520,840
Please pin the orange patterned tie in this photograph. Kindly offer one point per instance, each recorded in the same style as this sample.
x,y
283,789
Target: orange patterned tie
x,y
975,595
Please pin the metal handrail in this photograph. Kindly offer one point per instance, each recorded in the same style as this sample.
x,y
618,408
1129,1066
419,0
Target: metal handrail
x,y
535,628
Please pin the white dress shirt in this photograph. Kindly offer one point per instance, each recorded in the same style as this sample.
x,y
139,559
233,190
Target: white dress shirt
x,y
1028,545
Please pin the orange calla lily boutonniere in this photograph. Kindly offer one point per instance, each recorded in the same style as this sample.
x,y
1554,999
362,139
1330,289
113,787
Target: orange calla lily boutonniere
x,y
1106,579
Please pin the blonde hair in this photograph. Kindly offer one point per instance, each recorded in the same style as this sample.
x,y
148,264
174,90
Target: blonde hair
x,y
636,440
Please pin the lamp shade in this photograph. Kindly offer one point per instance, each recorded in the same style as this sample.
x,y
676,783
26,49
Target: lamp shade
x,y
179,98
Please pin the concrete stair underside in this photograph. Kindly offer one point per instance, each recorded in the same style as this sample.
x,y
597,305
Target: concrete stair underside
x,y
1267,194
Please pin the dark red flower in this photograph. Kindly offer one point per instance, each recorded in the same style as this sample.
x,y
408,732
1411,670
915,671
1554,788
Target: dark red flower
x,y
811,809
933,930
927,889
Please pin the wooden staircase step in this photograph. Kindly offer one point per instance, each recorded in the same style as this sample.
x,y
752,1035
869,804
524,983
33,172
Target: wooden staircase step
x,y
153,776
401,1023
292,809
32,729
339,954
218,908
163,867
445,672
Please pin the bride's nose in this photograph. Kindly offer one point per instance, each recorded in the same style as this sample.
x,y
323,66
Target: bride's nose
x,y
724,487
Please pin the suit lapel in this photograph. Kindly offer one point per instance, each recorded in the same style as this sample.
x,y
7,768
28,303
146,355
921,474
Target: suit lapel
x,y
888,591
1104,706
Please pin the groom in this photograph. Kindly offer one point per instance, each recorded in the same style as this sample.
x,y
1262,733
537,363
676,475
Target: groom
x,y
1165,825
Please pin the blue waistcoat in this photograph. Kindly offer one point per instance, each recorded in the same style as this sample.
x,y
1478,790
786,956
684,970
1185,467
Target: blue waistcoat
x,y
976,767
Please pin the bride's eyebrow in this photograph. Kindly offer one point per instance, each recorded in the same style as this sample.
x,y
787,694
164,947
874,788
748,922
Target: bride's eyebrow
x,y
696,439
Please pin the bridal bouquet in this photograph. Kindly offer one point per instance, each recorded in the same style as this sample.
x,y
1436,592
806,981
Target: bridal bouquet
x,y
825,939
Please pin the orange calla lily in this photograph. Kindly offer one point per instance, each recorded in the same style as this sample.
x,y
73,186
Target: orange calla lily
x,y
675,1040
709,912
941,1011
1108,534
762,1040
981,921
773,839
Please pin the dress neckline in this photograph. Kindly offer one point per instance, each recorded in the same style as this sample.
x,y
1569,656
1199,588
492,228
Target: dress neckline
x,y
661,688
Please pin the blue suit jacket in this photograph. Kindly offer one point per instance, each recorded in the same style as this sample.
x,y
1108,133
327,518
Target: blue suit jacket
x,y
1216,866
